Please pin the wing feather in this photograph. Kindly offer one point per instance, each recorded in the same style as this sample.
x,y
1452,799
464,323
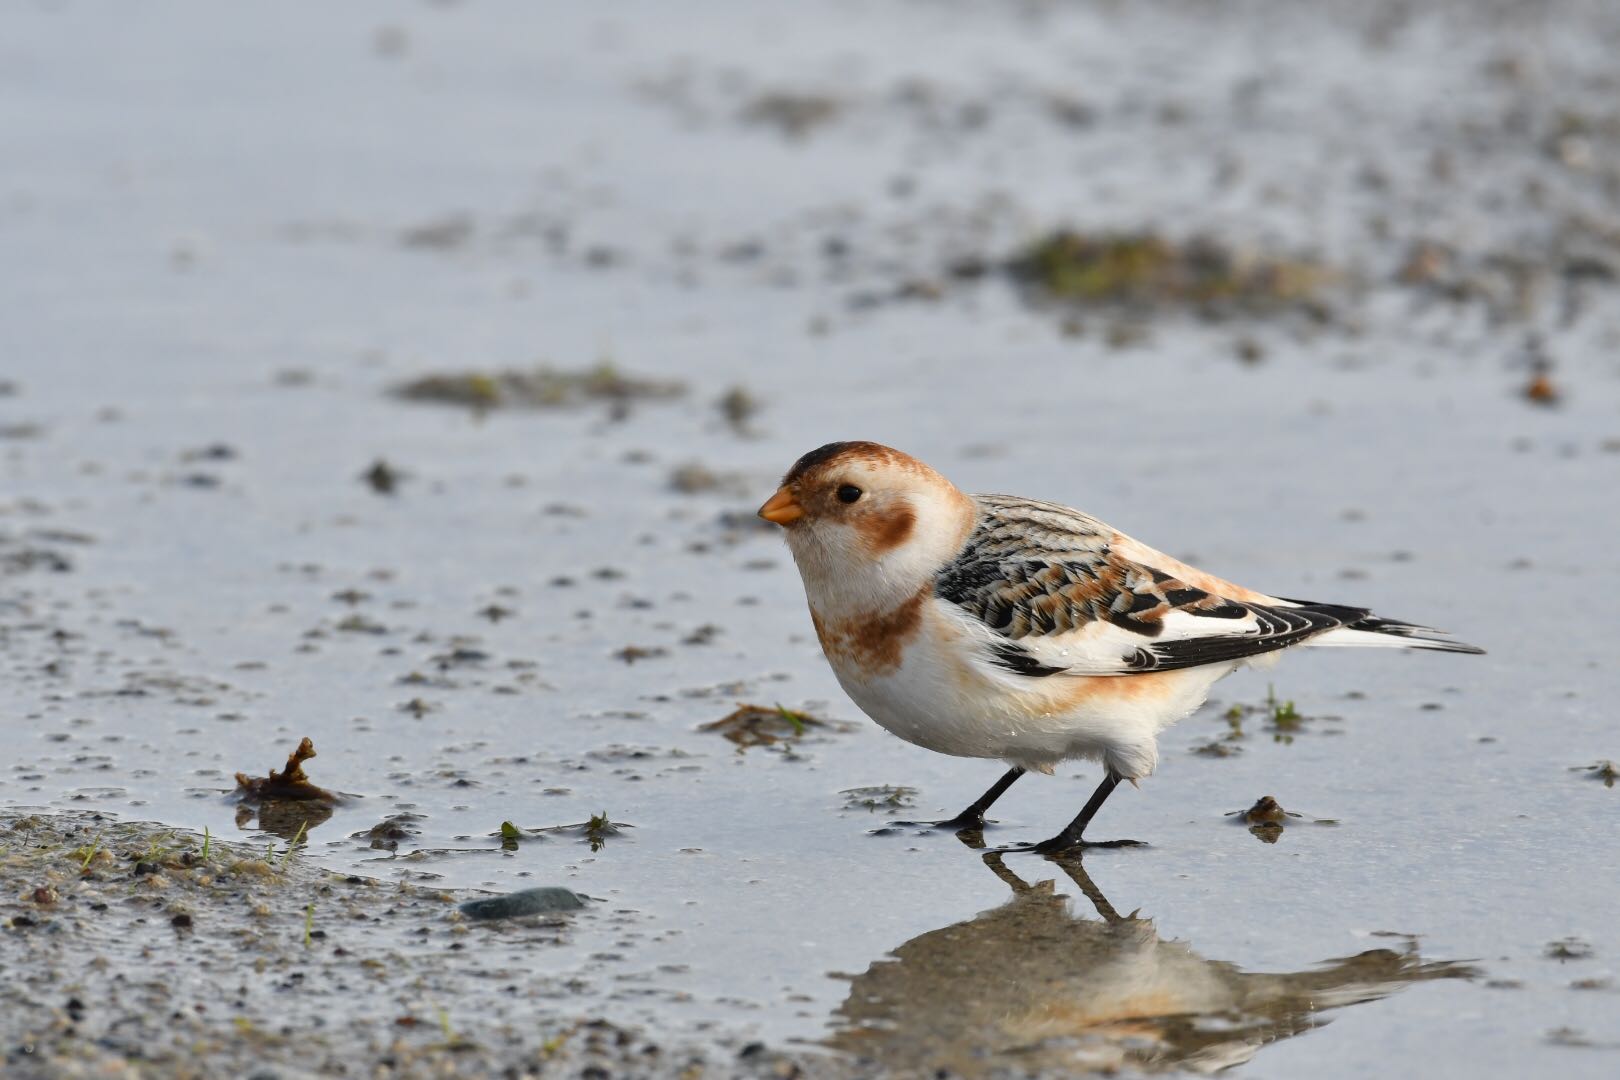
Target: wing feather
x,y
1050,590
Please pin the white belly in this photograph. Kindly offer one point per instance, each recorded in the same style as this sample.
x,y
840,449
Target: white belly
x,y
937,699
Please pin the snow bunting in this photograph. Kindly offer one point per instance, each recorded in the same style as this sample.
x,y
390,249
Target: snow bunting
x,y
999,627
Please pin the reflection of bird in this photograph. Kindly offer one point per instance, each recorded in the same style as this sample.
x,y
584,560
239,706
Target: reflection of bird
x,y
1029,986
998,627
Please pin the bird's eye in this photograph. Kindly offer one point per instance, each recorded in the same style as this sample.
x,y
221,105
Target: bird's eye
x,y
848,493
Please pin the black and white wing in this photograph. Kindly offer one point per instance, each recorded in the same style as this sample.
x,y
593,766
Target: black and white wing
x,y
1048,590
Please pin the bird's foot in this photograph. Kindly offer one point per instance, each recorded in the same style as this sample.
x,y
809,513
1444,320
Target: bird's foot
x,y
963,822
1062,844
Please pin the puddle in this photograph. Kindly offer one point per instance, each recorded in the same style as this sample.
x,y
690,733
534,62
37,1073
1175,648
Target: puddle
x,y
1060,982
223,529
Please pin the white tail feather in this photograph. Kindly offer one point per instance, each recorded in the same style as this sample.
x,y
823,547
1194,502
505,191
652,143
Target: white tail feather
x,y
1397,636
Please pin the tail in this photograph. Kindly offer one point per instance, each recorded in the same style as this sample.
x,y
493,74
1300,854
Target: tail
x,y
1370,631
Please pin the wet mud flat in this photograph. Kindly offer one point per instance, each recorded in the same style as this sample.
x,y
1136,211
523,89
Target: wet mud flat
x,y
132,949
438,441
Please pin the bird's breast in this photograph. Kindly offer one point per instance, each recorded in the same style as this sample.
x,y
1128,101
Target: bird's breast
x,y
870,644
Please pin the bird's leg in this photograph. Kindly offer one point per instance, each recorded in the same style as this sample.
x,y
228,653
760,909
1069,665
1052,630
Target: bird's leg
x,y
1070,837
998,867
1069,862
973,816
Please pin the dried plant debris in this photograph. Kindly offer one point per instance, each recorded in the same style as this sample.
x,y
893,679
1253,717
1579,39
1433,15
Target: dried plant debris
x,y
1605,771
1570,948
1146,270
444,234
793,114
596,831
387,833
702,635
36,550
879,797
1541,390
25,559
382,477
546,900
760,725
289,784
739,407
212,452
1266,819
540,388
1512,286
695,478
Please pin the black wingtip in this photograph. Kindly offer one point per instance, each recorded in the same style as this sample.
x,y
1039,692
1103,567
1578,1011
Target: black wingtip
x,y
1420,637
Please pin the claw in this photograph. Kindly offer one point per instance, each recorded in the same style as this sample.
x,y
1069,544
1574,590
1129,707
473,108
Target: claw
x,y
960,823
1058,844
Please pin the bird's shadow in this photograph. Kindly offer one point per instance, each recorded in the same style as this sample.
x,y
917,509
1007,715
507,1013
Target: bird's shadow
x,y
1035,985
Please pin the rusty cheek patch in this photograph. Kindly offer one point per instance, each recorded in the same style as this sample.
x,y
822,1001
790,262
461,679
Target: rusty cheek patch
x,y
870,645
882,532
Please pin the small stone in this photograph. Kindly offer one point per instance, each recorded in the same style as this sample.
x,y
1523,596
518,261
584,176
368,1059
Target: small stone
x,y
542,901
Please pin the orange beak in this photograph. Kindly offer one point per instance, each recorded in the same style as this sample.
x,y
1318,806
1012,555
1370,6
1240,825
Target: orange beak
x,y
782,508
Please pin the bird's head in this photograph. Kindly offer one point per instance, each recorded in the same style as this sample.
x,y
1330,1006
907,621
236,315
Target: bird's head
x,y
867,524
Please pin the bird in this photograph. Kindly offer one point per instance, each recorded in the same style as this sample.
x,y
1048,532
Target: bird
x,y
1006,628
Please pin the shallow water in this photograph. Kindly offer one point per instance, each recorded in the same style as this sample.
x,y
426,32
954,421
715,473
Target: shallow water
x,y
216,227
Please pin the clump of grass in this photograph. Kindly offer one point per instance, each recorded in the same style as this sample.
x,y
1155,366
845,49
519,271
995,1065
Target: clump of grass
x,y
1282,718
452,1040
510,835
760,725
298,838
309,924
157,848
1146,269
1285,718
598,829
87,853
795,720
1217,748
794,114
1570,948
739,407
1605,771
879,797
537,388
